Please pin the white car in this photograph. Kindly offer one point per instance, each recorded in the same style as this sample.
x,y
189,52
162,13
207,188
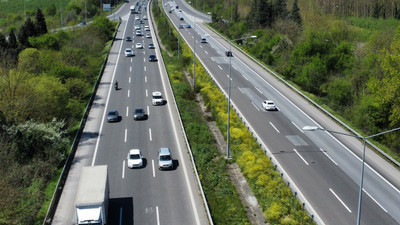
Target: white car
x,y
144,17
135,158
137,18
148,35
146,28
139,33
269,105
157,98
139,45
137,27
128,52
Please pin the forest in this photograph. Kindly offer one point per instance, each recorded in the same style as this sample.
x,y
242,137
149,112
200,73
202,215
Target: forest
x,y
46,79
343,54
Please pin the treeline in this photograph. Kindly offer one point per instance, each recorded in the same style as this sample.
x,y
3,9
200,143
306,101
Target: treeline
x,y
45,82
361,8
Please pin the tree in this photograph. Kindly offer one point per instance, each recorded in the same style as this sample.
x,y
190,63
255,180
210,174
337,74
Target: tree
x,y
51,10
12,40
3,42
41,27
280,9
295,13
27,30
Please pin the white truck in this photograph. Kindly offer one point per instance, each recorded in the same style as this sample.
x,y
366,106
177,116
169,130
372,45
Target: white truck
x,y
91,200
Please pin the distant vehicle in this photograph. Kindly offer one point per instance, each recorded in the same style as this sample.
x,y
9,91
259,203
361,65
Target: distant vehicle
x,y
152,58
228,53
164,159
113,116
137,18
133,10
137,27
146,28
157,98
129,52
177,7
141,21
139,33
148,35
181,18
188,26
145,17
151,46
203,40
92,196
139,45
180,26
135,158
269,105
128,38
139,114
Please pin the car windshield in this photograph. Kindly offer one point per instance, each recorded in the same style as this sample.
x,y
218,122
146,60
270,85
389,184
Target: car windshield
x,y
165,158
157,97
112,113
139,111
136,156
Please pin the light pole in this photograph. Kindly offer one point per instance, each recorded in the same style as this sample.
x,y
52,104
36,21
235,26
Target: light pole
x,y
228,154
314,128
194,53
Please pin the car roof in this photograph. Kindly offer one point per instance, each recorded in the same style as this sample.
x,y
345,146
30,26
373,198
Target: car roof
x,y
128,49
134,151
164,150
157,93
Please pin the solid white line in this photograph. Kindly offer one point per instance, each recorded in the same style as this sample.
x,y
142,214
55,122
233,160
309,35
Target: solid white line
x,y
234,67
219,67
144,59
129,93
158,216
120,216
154,171
240,90
245,77
255,106
298,127
301,157
127,111
340,200
228,76
201,46
150,134
328,156
123,169
375,201
258,90
212,59
274,127
126,134
206,52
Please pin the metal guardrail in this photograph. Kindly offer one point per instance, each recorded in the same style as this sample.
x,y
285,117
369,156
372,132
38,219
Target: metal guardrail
x,y
64,174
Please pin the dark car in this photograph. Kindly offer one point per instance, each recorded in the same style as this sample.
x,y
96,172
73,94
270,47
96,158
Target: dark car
x,y
188,26
152,58
151,46
113,116
128,38
139,114
228,53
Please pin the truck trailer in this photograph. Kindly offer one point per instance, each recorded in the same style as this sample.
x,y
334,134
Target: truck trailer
x,y
91,200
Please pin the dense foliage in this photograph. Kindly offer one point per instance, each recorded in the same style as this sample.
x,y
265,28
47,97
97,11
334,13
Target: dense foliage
x,y
345,63
273,195
45,82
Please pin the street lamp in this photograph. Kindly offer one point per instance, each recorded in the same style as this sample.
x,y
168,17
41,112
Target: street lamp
x,y
194,53
228,154
314,128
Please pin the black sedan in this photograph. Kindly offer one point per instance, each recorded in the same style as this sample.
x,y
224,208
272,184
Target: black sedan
x,y
152,58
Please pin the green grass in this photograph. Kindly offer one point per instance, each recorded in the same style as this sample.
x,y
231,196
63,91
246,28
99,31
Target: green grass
x,y
17,6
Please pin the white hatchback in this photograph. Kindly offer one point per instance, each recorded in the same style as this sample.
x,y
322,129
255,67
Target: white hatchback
x,y
139,45
269,105
135,158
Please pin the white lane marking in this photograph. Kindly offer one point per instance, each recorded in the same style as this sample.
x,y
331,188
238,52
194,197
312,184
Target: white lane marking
x,y
150,134
145,79
158,216
234,67
245,77
340,200
120,216
108,98
219,67
328,156
129,93
274,127
375,201
123,169
228,76
255,106
148,110
146,93
144,68
298,127
206,52
154,171
129,80
144,59
131,59
212,59
301,157
201,46
258,90
240,90
130,69
126,134
127,111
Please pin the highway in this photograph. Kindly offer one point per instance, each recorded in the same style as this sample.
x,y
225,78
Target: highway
x,y
323,168
142,195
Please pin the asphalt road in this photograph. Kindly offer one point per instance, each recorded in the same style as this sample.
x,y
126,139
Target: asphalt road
x,y
144,195
324,168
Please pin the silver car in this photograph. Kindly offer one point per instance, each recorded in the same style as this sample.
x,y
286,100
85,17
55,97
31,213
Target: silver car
x,y
165,159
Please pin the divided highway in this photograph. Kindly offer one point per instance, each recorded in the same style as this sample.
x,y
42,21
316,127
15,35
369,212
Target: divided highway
x,y
143,195
323,168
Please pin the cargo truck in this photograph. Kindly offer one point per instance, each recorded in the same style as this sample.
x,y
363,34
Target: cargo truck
x,y
91,200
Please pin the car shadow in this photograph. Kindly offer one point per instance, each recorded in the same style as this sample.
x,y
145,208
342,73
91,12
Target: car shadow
x,y
120,207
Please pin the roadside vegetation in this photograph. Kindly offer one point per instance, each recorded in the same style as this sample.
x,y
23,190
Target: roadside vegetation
x,y
274,197
343,54
45,82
